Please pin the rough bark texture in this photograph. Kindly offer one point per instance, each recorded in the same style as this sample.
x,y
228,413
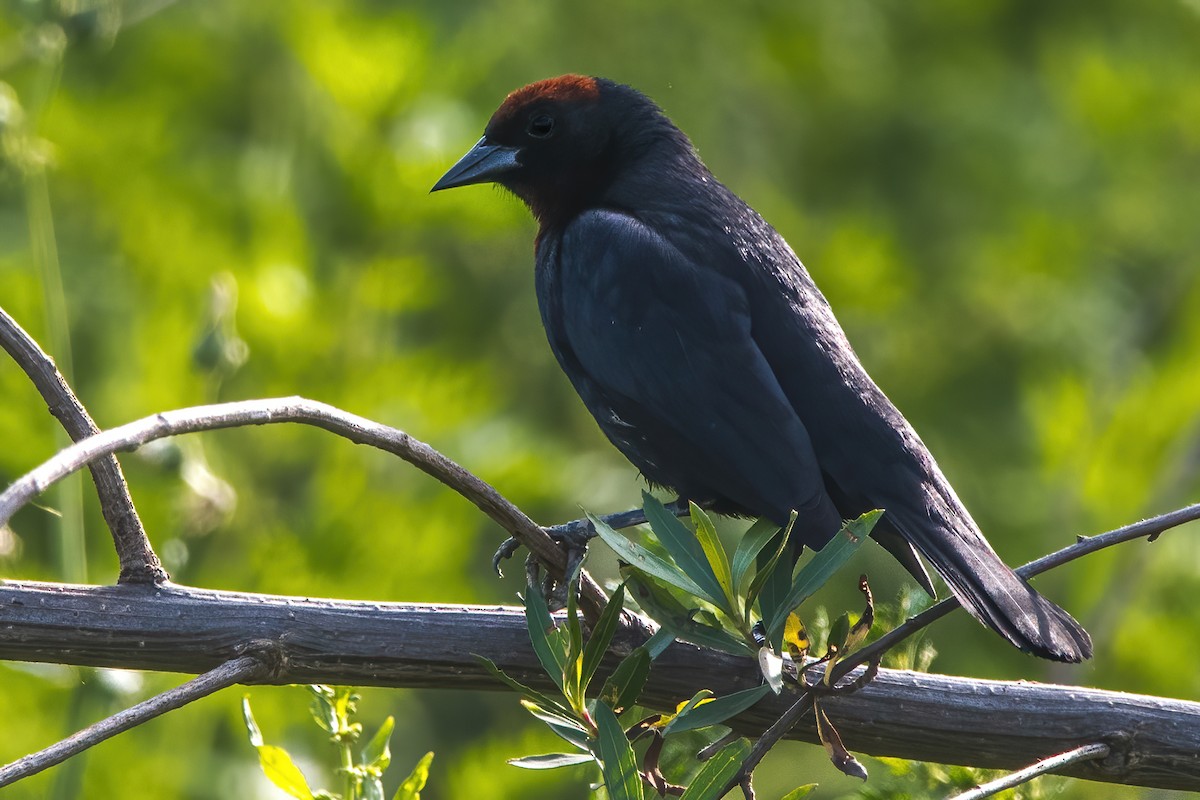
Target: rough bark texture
x,y
1155,741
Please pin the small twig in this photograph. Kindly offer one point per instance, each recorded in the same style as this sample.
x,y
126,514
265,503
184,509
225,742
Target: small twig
x,y
1089,544
359,430
239,670
138,562
1087,752
1152,528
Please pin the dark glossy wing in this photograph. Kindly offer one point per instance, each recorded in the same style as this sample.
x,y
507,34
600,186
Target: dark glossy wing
x,y
669,368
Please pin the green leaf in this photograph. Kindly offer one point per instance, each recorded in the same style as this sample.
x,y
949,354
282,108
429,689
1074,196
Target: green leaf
x,y
718,771
621,777
659,642
752,542
551,760
547,644
279,768
602,635
715,711
718,561
377,755
684,548
625,684
830,558
667,611
411,788
543,700
252,729
634,554
770,568
573,670
800,792
322,709
702,696
838,632
567,728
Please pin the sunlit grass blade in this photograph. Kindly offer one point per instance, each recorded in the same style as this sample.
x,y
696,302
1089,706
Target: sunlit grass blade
x,y
621,776
823,564
633,553
710,781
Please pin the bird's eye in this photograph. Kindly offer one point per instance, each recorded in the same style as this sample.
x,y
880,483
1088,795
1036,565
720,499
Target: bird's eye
x,y
541,126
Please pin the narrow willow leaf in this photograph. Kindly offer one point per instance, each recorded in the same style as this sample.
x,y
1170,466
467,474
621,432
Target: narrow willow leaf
x,y
547,644
717,710
659,642
411,788
668,612
622,688
279,768
830,558
543,700
838,754
770,569
718,771
752,542
634,554
684,548
669,720
800,792
718,560
573,669
621,776
602,635
567,728
551,760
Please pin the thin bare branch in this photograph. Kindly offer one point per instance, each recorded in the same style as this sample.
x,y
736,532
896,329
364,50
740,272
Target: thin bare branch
x,y
1151,528
239,670
359,430
1087,752
138,562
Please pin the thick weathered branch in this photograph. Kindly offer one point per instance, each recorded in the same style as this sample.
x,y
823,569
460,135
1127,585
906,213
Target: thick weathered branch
x,y
359,430
910,715
138,562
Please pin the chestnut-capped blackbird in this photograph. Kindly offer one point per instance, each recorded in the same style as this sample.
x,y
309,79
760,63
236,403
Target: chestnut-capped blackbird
x,y
707,355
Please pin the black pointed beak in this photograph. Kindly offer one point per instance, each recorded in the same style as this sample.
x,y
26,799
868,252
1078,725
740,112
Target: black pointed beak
x,y
483,163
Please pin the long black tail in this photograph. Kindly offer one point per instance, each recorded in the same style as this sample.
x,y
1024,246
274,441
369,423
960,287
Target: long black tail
x,y
946,535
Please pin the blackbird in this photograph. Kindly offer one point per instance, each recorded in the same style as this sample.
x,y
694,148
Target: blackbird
x,y
708,356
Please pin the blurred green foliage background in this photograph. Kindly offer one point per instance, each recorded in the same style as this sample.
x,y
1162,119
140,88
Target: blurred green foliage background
x,y
219,200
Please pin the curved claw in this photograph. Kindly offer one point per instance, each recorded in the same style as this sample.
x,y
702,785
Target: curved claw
x,y
505,551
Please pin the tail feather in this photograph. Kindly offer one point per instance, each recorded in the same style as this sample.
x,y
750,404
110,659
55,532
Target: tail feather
x,y
987,587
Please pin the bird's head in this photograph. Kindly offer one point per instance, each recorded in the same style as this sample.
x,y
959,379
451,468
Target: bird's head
x,y
559,144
